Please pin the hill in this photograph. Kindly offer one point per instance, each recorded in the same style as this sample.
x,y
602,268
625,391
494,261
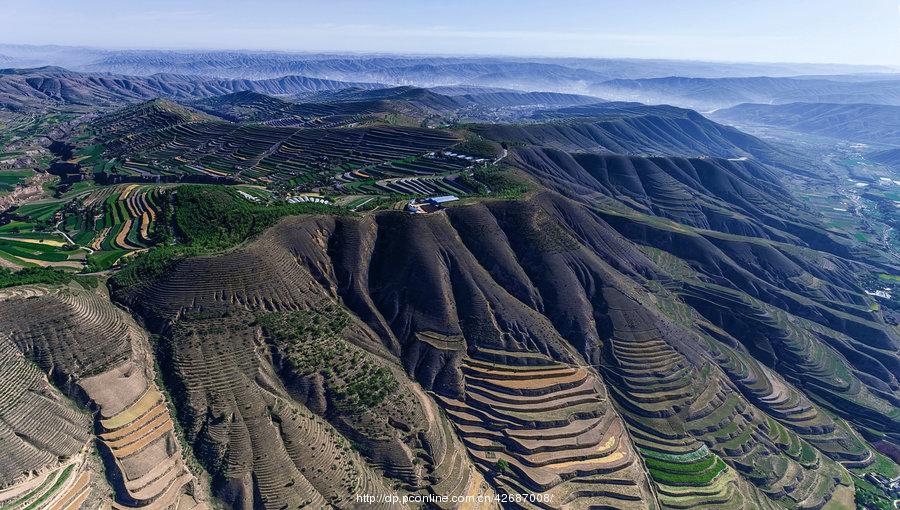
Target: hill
x,y
160,141
869,123
890,157
500,311
712,93
637,129
531,99
407,93
329,108
148,116
470,102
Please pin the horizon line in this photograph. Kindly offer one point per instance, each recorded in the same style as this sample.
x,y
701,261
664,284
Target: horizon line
x,y
894,68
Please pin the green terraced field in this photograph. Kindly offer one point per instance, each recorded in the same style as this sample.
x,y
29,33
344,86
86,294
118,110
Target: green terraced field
x,y
697,474
40,212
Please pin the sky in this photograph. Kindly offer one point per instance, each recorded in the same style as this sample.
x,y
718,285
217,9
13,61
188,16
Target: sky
x,y
827,31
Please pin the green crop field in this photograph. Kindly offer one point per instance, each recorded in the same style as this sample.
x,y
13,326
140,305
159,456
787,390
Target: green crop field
x,y
10,178
41,211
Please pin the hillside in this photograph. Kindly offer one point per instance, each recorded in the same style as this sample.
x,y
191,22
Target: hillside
x,y
536,99
869,123
145,143
623,128
331,108
254,107
404,93
150,115
135,433
637,129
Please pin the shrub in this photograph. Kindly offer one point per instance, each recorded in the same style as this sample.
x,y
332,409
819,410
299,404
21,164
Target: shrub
x,y
312,343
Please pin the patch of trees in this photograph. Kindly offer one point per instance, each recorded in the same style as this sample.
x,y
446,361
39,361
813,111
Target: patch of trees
x,y
206,219
33,275
477,146
312,341
494,181
216,218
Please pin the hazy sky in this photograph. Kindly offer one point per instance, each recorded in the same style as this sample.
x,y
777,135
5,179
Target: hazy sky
x,y
844,31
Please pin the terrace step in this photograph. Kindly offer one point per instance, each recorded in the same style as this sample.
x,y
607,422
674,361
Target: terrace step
x,y
587,387
74,495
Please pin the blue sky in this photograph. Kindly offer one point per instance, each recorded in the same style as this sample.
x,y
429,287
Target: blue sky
x,y
840,31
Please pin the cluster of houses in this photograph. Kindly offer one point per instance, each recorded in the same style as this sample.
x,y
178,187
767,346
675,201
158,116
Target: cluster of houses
x,y
890,486
428,205
248,196
305,199
453,155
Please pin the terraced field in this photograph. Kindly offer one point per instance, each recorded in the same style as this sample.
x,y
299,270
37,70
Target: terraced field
x,y
115,220
140,440
29,239
66,488
752,292
93,351
9,179
546,428
262,109
213,363
595,325
717,424
429,175
39,249
305,464
94,227
38,426
171,143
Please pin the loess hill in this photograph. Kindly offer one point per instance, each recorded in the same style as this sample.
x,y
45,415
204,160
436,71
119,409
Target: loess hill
x,y
653,322
543,351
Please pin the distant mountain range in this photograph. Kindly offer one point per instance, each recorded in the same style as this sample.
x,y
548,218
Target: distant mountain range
x,y
243,64
870,123
21,89
708,94
574,75
700,85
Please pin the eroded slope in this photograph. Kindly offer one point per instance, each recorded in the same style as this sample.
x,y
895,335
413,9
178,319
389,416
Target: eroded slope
x,y
532,324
